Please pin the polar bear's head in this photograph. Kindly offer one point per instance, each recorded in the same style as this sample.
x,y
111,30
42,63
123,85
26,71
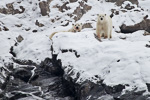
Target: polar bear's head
x,y
101,17
77,26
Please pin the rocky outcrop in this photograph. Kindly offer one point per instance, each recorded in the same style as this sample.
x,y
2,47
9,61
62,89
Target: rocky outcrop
x,y
120,2
143,25
81,10
44,7
100,91
63,7
10,9
87,25
39,24
32,81
78,12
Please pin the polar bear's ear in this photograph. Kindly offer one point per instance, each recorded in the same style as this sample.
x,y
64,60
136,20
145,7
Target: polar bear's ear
x,y
80,23
72,24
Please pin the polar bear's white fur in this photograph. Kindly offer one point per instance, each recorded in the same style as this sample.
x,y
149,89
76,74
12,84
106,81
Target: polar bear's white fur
x,y
104,26
75,28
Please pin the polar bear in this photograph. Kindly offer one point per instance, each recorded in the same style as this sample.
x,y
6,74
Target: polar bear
x,y
75,28
104,26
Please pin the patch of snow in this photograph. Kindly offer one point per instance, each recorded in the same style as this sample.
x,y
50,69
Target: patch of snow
x,y
116,61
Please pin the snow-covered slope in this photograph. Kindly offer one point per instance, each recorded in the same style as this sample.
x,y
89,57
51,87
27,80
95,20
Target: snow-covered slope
x,y
115,61
124,59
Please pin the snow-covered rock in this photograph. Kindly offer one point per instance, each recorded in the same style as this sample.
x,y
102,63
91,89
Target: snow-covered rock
x,y
113,61
105,70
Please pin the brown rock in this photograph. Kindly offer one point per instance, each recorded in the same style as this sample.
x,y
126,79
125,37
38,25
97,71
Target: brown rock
x,y
87,25
19,38
39,24
44,7
146,33
143,25
63,7
10,9
81,10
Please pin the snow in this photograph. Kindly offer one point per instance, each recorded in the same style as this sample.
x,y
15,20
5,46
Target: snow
x,y
31,49
115,61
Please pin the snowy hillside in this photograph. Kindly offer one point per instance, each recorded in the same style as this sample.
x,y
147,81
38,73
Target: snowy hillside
x,y
124,59
115,61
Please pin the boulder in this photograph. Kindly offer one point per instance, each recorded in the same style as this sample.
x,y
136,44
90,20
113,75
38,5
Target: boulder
x,y
143,25
120,2
44,7
81,10
10,9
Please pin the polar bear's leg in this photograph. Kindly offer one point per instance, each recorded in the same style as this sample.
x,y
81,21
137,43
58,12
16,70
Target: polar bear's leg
x,y
110,33
98,33
106,34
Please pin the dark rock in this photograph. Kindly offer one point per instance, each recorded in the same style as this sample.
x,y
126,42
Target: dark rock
x,y
143,25
147,45
27,29
17,89
114,89
24,62
66,24
133,95
34,31
63,7
23,73
9,65
120,2
10,9
70,50
18,25
19,38
129,7
5,28
87,25
22,8
39,24
118,60
11,51
52,66
81,10
88,88
44,7
71,1
146,33
148,86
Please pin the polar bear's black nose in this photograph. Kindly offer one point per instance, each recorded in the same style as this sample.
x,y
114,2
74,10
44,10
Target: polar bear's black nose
x,y
77,27
101,18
